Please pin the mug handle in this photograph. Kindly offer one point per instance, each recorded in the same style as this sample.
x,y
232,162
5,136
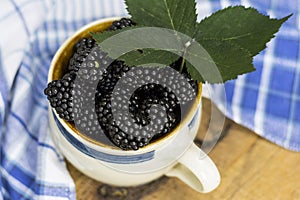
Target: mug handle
x,y
197,170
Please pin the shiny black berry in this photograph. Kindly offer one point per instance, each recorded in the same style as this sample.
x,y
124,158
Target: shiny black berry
x,y
155,107
60,95
122,23
81,50
113,73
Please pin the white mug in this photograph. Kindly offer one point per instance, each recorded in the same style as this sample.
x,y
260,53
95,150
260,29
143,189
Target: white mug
x,y
173,155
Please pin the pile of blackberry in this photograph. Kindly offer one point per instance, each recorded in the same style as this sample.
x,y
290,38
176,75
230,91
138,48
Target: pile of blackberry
x,y
117,104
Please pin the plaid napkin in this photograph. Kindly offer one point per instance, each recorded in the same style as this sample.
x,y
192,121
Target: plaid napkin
x,y
266,101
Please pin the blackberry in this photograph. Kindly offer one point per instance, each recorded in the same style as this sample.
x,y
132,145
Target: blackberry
x,y
122,23
93,68
80,52
60,95
142,110
113,73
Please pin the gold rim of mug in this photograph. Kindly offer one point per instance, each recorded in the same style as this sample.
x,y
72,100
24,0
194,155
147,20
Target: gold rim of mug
x,y
57,69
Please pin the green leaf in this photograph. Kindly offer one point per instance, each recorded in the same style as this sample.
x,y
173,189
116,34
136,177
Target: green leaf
x,y
243,26
222,61
178,15
143,45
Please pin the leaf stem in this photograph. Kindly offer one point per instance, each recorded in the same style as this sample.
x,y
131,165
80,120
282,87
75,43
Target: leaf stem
x,y
182,64
186,46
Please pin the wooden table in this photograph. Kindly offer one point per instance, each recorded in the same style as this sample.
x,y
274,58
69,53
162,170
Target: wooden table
x,y
250,167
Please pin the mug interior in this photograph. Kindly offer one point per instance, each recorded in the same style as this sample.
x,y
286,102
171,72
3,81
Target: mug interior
x,y
58,69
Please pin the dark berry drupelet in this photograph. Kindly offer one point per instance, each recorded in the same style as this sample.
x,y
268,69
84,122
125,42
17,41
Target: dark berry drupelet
x,y
60,95
122,23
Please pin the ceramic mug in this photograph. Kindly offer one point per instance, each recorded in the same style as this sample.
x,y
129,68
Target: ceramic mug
x,y
174,155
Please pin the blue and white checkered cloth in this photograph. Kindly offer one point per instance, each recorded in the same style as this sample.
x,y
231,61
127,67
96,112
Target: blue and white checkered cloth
x,y
266,101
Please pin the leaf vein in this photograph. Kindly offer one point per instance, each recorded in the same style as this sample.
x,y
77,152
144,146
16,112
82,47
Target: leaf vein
x,y
237,37
169,14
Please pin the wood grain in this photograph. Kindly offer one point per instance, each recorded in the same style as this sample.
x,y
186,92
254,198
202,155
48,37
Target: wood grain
x,y
250,167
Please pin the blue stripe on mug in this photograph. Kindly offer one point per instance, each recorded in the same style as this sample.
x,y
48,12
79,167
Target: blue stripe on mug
x,y
117,159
